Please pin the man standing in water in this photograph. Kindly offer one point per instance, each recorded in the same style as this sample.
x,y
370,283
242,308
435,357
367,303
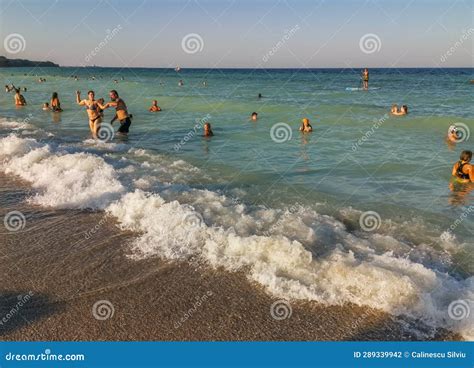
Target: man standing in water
x,y
121,112
365,79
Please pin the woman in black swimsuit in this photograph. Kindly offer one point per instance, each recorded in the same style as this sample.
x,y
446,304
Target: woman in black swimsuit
x,y
462,169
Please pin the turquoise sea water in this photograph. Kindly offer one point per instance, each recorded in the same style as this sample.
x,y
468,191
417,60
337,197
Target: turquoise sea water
x,y
403,169
357,159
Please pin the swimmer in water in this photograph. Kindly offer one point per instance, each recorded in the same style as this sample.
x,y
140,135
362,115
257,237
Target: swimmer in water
x,y
46,106
180,83
305,126
121,112
399,112
208,130
452,134
92,108
154,107
394,109
462,170
365,79
260,95
55,104
19,99
254,116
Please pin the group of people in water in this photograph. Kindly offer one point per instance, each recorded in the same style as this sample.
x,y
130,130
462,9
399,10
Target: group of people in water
x,y
462,170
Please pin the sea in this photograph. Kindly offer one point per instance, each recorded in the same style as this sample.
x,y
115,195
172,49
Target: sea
x,y
361,210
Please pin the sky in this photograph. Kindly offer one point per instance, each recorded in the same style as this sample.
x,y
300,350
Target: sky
x,y
240,34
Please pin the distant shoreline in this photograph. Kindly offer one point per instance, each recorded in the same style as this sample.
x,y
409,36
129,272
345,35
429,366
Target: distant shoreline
x,y
51,64
19,63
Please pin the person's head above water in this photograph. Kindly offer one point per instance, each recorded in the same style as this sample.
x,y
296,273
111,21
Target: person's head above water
x,y
113,94
404,109
305,121
254,116
55,95
466,156
154,102
208,129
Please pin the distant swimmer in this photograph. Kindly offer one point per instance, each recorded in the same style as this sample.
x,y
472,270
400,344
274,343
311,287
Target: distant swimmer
x,y
92,108
260,95
305,126
46,106
8,88
154,107
254,116
204,83
399,112
19,99
180,83
463,170
55,104
365,79
208,130
121,111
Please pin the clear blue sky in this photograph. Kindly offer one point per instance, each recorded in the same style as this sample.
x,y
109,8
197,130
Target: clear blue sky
x,y
241,33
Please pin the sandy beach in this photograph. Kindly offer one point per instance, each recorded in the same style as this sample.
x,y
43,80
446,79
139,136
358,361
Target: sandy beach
x,y
67,268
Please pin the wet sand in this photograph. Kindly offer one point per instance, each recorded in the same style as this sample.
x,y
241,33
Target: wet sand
x,y
69,260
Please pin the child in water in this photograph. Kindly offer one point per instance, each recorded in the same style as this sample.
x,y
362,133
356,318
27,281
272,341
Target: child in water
x,y
462,170
207,130
46,106
305,126
154,107
254,116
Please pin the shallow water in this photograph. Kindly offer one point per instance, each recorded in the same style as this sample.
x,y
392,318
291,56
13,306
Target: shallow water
x,y
289,212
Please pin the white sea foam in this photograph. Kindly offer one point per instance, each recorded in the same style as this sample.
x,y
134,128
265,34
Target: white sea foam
x,y
287,269
294,252
65,180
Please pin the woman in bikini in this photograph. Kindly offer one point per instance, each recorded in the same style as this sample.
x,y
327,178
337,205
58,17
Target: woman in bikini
x,y
93,108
